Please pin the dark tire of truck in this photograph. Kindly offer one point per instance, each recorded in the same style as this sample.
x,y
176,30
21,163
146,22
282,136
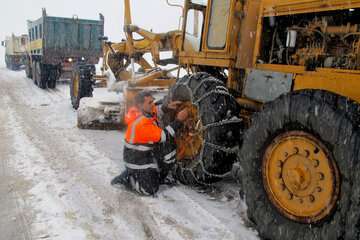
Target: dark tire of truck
x,y
28,70
222,132
40,74
81,83
314,117
53,75
33,72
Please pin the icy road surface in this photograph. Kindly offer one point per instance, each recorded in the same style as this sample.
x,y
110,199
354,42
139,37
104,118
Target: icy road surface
x,y
54,180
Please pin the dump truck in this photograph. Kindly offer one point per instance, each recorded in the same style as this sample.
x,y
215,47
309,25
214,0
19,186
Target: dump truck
x,y
58,44
15,51
275,87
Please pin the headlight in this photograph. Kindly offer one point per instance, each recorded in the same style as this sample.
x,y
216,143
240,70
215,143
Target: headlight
x,y
70,59
82,59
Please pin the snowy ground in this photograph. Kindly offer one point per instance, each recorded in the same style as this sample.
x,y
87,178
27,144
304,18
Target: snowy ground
x,y
54,180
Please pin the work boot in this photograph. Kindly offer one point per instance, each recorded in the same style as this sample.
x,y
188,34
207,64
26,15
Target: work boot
x,y
122,179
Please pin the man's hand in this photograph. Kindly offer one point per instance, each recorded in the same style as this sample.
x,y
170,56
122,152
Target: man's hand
x,y
174,105
182,115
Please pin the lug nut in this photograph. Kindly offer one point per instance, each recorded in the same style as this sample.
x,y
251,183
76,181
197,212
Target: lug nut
x,y
290,196
316,163
307,153
311,198
296,150
318,189
316,150
321,176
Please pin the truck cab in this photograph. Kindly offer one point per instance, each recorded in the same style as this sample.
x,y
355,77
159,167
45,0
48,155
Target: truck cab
x,y
15,51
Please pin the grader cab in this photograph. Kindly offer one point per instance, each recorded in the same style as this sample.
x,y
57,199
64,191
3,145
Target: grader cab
x,y
276,88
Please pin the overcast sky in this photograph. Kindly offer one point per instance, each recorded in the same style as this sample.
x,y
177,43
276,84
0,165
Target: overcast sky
x,y
149,14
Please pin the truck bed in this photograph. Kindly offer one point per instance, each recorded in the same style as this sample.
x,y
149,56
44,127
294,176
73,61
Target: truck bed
x,y
57,38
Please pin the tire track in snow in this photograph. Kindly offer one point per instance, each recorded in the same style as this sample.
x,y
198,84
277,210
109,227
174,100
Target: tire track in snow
x,y
14,210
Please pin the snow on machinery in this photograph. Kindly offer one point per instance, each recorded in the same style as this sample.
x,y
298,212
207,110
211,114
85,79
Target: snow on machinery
x,y
57,44
276,103
15,51
118,71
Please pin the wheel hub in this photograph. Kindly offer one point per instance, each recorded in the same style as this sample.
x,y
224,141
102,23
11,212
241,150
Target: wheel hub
x,y
300,177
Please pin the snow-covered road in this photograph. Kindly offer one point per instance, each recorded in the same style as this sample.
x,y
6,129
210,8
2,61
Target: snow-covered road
x,y
54,180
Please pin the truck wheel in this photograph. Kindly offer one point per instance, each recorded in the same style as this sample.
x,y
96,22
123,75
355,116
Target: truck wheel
x,y
297,160
81,83
28,70
52,78
34,73
7,62
41,75
219,134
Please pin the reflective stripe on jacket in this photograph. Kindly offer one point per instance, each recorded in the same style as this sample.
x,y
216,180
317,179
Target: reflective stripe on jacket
x,y
144,130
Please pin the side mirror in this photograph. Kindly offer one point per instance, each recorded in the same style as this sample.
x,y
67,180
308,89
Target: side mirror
x,y
3,43
103,38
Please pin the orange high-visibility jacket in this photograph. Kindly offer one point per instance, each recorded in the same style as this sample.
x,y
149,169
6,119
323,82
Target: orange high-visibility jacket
x,y
141,139
142,129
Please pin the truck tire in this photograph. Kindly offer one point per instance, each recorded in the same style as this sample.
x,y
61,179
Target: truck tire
x,y
28,70
34,73
7,62
221,136
81,83
297,154
41,75
52,78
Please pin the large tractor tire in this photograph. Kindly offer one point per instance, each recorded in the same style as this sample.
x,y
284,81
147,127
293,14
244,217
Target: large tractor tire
x,y
298,162
221,132
81,83
41,75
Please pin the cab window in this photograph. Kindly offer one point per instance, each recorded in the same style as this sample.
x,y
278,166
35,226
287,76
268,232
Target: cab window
x,y
194,25
218,25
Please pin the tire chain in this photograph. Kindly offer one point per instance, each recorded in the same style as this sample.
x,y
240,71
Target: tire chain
x,y
221,90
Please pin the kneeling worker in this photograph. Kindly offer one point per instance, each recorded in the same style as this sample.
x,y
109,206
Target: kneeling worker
x,y
144,167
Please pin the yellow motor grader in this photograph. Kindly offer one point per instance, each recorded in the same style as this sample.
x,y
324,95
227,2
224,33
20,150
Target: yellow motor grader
x,y
276,93
275,87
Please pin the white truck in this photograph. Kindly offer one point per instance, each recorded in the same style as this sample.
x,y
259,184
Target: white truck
x,y
15,51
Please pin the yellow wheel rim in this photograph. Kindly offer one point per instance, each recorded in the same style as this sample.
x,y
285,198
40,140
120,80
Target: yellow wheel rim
x,y
300,177
76,85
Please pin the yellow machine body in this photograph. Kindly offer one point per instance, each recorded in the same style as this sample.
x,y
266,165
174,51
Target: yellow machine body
x,y
238,50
